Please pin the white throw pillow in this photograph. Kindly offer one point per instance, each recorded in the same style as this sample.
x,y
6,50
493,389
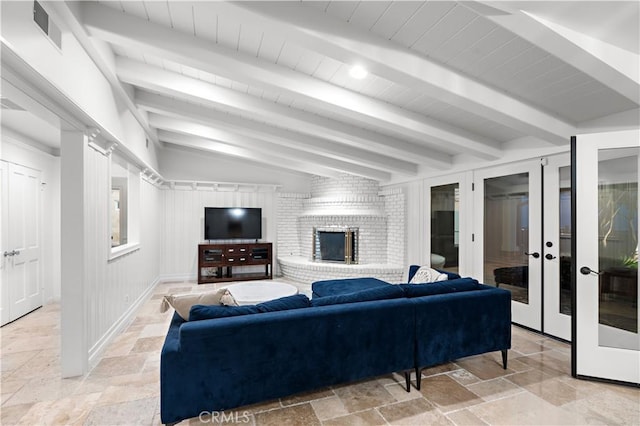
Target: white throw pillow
x,y
427,275
182,303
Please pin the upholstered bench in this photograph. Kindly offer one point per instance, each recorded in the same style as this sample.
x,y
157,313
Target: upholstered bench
x,y
345,285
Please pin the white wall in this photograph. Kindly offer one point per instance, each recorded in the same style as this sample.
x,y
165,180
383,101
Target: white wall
x,y
395,209
290,207
182,226
113,287
15,148
73,73
179,164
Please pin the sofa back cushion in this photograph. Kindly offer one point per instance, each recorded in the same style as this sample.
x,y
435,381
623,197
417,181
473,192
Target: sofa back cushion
x,y
376,293
345,285
202,312
296,301
440,287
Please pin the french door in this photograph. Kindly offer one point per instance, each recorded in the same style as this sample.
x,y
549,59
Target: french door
x,y
508,247
21,271
606,341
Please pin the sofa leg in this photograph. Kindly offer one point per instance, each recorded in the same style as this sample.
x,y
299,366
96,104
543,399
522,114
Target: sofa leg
x,y
504,359
407,379
418,377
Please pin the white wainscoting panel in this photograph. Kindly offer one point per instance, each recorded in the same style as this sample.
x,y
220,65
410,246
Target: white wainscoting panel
x,y
115,288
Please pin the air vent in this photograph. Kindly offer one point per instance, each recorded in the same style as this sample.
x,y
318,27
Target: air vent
x,y
46,24
9,105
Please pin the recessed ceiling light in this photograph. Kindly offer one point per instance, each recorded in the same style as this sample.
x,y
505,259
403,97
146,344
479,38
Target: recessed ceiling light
x,y
358,72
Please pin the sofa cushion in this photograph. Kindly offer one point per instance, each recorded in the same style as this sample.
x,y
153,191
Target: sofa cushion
x,y
427,275
201,312
345,285
440,287
377,293
284,303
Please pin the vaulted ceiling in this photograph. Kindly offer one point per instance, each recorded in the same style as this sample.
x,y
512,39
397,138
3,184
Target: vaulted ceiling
x,y
447,82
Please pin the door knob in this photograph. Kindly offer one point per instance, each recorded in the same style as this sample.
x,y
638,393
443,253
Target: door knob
x,y
8,253
549,256
585,270
16,252
535,254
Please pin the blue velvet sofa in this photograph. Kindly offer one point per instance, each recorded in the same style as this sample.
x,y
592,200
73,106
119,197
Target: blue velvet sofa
x,y
222,363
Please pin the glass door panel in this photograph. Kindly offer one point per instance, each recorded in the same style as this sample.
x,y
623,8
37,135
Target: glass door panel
x,y
448,213
506,234
445,227
618,247
565,241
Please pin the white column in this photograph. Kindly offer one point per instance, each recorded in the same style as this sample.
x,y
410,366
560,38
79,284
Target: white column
x,y
74,350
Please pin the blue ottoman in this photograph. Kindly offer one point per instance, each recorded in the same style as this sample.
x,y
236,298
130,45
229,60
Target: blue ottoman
x,y
344,286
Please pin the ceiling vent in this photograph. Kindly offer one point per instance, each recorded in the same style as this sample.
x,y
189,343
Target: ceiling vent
x,y
46,24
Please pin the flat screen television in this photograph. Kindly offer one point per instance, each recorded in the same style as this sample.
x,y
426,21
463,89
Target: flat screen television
x,y
232,223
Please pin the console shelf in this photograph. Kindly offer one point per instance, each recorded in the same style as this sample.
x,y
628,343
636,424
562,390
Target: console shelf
x,y
216,262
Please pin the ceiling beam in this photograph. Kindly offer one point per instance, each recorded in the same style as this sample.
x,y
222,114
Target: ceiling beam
x,y
281,154
194,90
278,136
132,32
203,144
384,58
610,65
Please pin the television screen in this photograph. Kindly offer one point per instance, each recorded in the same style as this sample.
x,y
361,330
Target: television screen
x,y
227,223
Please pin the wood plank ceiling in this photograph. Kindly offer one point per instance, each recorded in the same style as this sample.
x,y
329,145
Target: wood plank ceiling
x,y
269,82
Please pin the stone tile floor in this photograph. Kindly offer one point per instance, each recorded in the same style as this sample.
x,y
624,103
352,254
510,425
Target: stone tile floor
x,y
123,387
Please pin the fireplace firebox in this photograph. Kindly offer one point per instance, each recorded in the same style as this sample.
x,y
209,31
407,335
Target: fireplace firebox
x,y
338,245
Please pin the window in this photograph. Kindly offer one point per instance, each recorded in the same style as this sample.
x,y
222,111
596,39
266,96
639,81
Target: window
x,y
119,203
124,199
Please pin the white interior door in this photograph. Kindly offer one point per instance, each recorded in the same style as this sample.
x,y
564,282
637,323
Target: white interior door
x,y
21,254
606,342
507,218
556,249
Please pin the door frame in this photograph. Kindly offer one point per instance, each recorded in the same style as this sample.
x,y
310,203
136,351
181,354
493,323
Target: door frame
x,y
553,322
528,315
4,241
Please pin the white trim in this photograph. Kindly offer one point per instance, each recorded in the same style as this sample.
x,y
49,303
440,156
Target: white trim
x,y
122,250
96,350
195,185
98,148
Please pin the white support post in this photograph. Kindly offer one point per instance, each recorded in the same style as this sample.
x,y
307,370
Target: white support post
x,y
74,351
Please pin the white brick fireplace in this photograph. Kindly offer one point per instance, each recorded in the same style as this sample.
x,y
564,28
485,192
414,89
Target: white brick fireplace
x,y
348,202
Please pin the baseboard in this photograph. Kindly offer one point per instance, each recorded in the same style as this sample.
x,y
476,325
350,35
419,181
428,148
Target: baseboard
x,y
177,277
96,351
